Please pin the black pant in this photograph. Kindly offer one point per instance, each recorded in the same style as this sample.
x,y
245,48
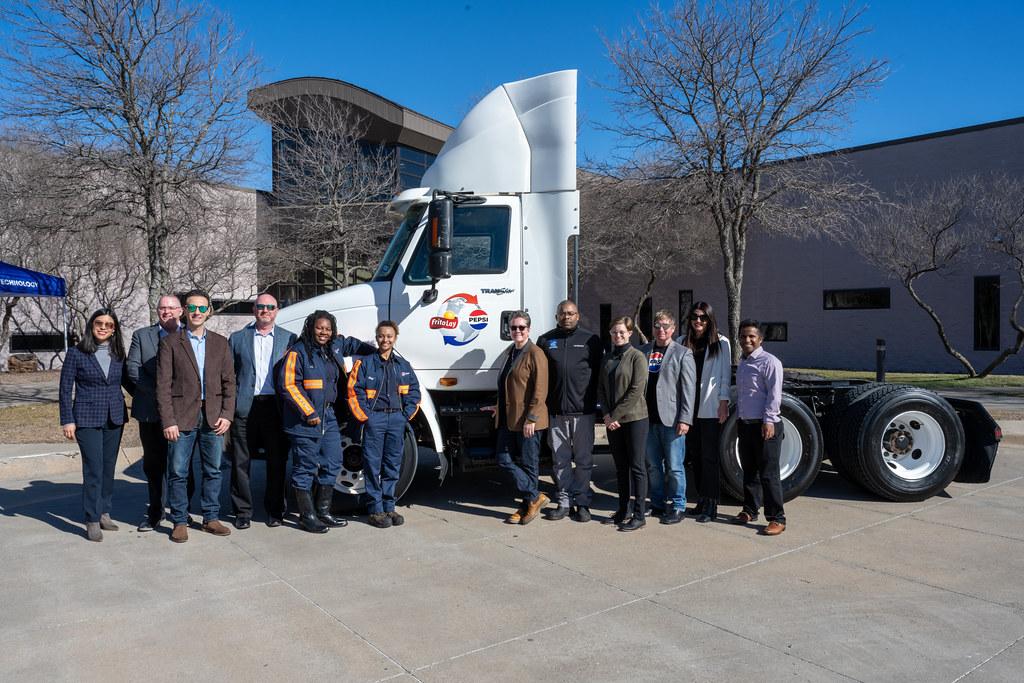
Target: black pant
x,y
629,451
99,446
154,464
759,459
260,429
702,443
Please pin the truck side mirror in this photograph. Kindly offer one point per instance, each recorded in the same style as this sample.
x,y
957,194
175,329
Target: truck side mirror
x,y
439,222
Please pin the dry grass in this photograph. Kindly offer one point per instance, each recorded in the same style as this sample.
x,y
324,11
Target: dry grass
x,y
40,423
934,381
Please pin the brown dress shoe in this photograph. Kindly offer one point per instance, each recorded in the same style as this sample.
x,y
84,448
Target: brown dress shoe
x,y
107,524
180,533
93,532
744,518
216,528
533,509
517,516
774,528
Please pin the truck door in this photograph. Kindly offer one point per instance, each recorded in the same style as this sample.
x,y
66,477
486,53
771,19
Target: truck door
x,y
459,333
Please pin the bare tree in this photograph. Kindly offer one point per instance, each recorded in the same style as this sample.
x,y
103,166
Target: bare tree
x,y
722,91
1002,215
331,189
923,230
146,96
642,232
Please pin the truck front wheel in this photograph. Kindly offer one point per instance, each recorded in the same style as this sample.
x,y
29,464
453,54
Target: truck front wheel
x,y
350,486
799,460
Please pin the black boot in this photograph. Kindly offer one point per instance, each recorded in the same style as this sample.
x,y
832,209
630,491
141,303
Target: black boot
x,y
307,516
324,496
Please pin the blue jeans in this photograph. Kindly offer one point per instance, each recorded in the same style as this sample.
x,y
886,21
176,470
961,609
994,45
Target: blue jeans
x,y
520,457
665,455
383,446
179,455
316,458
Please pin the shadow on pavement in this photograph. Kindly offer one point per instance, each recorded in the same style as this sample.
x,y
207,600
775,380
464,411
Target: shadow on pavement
x,y
60,504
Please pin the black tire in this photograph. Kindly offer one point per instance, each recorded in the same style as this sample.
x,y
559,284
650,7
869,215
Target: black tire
x,y
902,443
801,426
832,425
348,490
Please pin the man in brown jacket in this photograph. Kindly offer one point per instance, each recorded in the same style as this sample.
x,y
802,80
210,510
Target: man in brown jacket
x,y
195,396
521,415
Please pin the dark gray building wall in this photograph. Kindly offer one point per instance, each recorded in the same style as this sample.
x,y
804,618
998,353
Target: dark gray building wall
x,y
785,277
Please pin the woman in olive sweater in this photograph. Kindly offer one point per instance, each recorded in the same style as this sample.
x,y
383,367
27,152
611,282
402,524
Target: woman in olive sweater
x,y
621,394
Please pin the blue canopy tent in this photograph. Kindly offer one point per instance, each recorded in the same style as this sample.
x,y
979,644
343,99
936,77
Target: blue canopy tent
x,y
15,281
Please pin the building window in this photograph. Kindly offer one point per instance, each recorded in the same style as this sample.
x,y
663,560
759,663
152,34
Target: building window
x,y
853,299
685,303
986,313
775,332
606,322
26,343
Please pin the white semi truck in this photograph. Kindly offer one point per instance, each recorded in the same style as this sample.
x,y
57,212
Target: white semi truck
x,y
495,229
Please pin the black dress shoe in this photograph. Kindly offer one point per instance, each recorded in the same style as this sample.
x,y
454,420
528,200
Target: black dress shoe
x,y
148,524
555,514
632,524
273,521
657,512
617,518
580,513
673,516
242,523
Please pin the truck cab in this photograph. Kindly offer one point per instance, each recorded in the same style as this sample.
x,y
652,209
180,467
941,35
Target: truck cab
x,y
504,190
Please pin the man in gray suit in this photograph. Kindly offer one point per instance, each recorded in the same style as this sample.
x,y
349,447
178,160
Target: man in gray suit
x,y
256,349
670,401
141,369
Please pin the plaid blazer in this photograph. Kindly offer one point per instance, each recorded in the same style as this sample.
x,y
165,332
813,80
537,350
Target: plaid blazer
x,y
97,397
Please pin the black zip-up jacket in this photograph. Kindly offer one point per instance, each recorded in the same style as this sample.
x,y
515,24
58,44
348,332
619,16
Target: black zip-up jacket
x,y
574,360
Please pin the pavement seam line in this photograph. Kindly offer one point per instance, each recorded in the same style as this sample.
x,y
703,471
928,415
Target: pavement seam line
x,y
329,614
973,531
981,664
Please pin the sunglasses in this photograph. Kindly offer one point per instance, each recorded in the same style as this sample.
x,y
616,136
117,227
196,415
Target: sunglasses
x,y
103,325
266,307
518,328
192,308
663,326
699,318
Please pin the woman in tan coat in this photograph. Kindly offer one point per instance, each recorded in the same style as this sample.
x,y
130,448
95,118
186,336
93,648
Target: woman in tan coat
x,y
521,415
621,390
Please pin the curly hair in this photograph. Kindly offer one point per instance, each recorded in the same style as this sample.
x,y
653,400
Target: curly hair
x,y
308,336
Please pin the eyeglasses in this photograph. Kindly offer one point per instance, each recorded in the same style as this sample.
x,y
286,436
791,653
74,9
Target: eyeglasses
x,y
192,308
698,318
103,325
266,307
169,308
518,328
663,326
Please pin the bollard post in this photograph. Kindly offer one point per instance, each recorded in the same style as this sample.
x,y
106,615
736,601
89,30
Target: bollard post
x,y
879,360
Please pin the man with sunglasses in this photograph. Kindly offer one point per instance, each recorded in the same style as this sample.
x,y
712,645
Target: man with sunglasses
x,y
196,400
256,349
574,356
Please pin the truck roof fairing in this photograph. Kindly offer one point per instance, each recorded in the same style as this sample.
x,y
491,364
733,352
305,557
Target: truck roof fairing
x,y
521,137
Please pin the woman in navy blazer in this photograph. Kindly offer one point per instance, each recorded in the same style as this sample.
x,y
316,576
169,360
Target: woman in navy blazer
x,y
95,416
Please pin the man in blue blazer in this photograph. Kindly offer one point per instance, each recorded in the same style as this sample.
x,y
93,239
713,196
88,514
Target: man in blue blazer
x,y
256,349
140,380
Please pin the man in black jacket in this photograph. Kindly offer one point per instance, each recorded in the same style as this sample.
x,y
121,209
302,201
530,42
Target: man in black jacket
x,y
574,357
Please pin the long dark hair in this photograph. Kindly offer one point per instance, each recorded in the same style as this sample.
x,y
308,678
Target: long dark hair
x,y
308,336
710,330
88,343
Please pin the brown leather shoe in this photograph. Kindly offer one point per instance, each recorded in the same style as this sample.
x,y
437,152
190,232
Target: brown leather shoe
x,y
533,509
180,533
774,528
744,518
216,528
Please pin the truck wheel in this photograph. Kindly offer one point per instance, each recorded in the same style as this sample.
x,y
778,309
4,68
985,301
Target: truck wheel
x,y
835,447
907,443
350,486
799,460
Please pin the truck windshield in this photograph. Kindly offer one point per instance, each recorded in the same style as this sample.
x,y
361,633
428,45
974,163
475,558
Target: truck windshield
x,y
398,243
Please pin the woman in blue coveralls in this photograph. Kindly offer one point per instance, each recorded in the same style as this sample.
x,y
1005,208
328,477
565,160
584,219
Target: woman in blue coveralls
x,y
308,384
384,395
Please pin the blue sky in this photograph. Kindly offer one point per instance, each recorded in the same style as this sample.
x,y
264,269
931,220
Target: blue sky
x,y
952,63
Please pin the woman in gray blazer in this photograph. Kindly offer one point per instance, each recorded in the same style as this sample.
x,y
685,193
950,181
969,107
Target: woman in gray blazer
x,y
713,358
621,390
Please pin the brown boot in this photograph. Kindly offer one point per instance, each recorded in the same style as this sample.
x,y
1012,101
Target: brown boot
x,y
216,528
533,509
180,533
106,523
92,531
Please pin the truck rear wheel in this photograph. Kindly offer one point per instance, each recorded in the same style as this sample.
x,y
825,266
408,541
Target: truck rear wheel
x,y
902,443
799,460
350,486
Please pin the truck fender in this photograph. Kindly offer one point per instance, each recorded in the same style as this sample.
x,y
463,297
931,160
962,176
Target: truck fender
x,y
426,421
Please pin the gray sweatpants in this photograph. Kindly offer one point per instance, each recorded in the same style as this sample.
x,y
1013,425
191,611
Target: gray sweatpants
x,y
572,440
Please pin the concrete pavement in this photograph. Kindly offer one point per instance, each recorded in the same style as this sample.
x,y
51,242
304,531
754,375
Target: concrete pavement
x,y
856,589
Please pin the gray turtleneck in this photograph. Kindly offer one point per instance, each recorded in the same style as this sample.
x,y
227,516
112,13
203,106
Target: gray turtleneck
x,y
103,357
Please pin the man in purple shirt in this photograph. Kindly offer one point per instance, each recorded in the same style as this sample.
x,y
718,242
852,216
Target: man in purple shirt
x,y
759,398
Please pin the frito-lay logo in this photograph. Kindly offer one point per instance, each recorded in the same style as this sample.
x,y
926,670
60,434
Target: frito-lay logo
x,y
460,319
